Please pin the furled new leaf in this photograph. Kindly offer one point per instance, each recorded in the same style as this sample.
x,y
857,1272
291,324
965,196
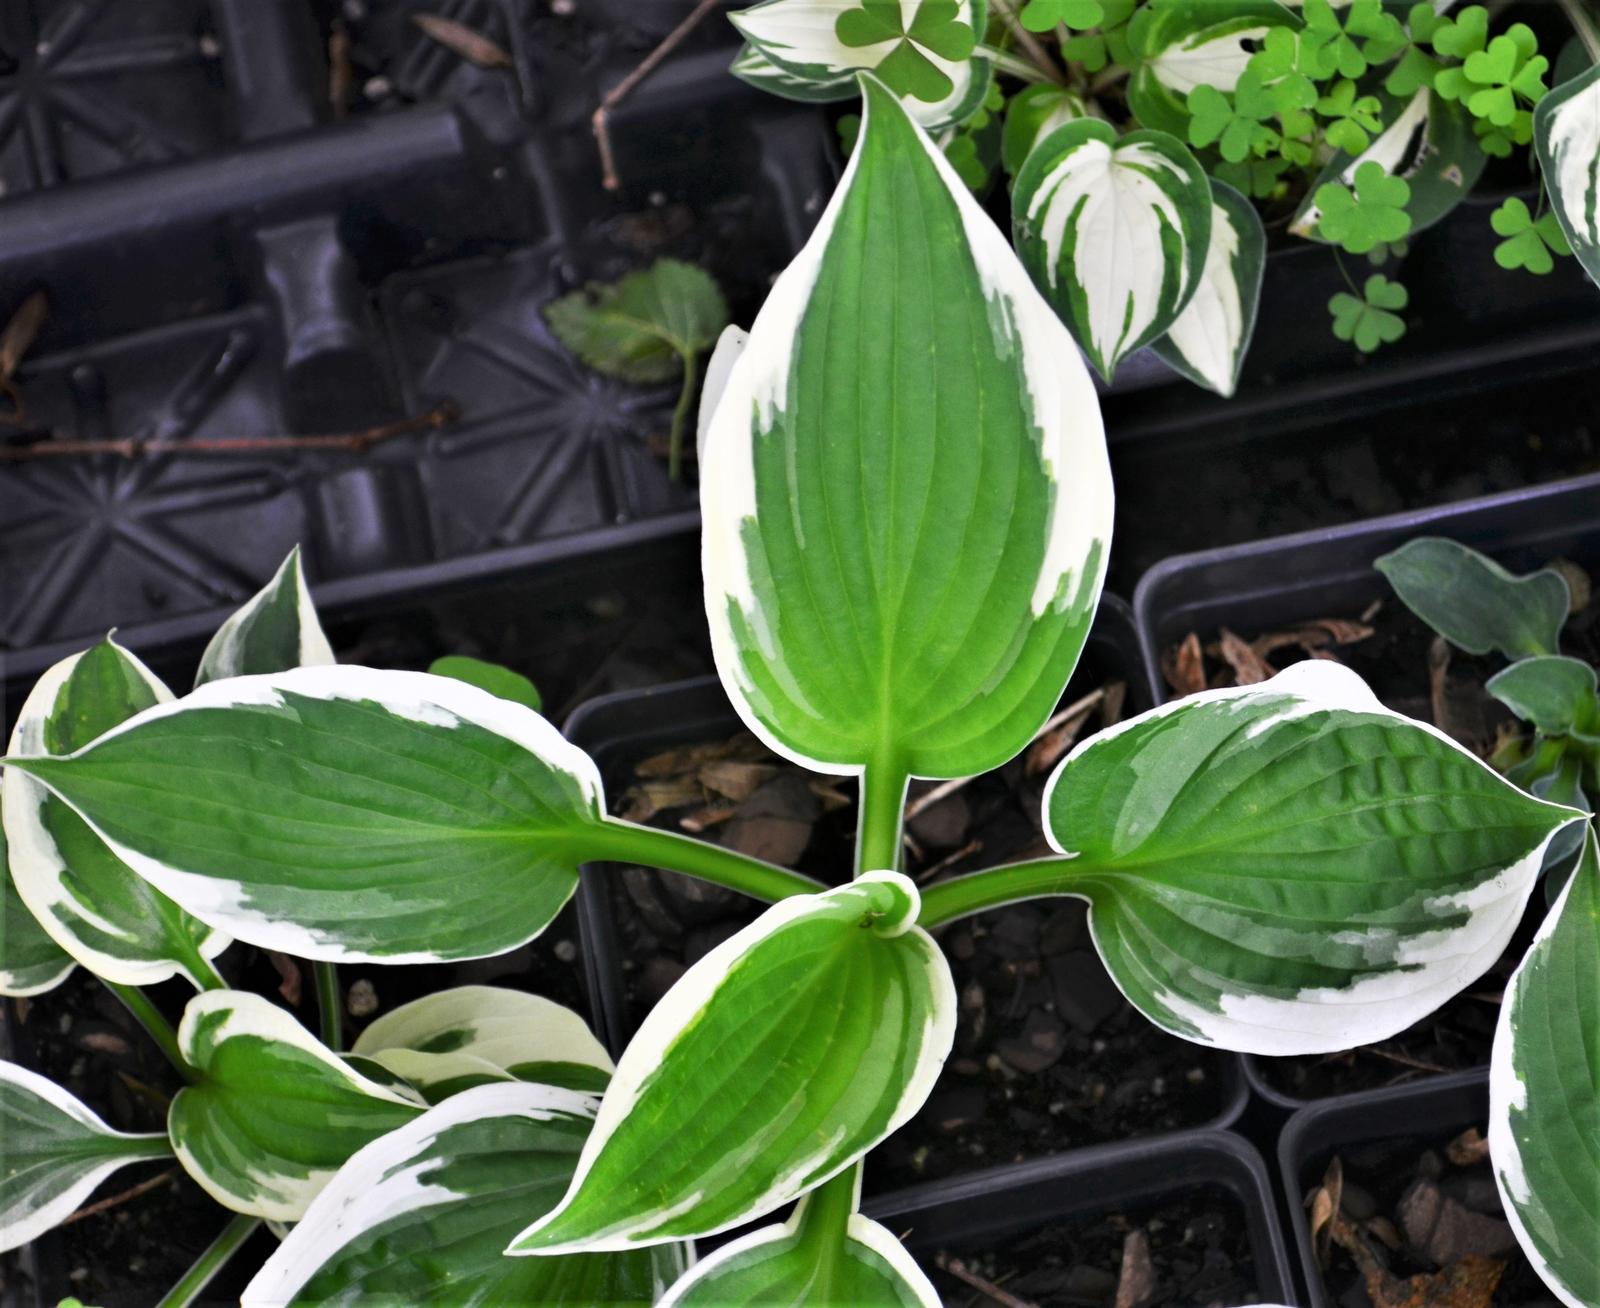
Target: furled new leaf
x,y
820,1255
423,1216
1555,693
344,813
906,532
1291,867
524,1035
87,897
923,49
1428,142
1473,602
1114,232
1544,1093
53,1152
778,1060
30,961
1032,114
1189,43
274,1113
1208,342
1566,134
277,630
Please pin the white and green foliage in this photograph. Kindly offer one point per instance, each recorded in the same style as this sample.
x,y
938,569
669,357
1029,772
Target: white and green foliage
x,y
907,518
278,629
1566,128
53,1152
30,961
1544,1092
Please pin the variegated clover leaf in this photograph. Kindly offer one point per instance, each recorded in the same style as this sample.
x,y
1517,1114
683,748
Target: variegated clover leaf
x,y
1530,243
1371,211
1368,320
935,27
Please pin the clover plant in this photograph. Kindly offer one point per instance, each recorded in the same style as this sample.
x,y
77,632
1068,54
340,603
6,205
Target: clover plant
x,y
907,519
1145,141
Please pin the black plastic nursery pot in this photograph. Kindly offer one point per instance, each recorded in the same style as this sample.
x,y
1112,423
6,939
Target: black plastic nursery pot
x,y
228,254
1051,1231
1283,583
1048,1055
1392,1142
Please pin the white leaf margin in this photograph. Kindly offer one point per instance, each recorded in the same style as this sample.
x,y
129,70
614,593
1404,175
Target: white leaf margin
x,y
36,861
681,1007
222,653
384,1180
414,696
1328,1020
17,1230
249,1016
15,984
1063,397
1566,137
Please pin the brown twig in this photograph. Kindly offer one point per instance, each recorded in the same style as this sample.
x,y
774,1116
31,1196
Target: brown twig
x,y
460,39
15,341
117,1200
962,1272
1406,1060
955,856
357,442
618,93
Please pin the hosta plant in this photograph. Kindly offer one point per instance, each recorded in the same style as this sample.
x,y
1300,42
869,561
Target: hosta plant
x,y
1148,145
906,533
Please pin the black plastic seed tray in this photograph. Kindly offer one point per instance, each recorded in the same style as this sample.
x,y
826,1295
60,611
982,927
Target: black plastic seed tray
x,y
229,254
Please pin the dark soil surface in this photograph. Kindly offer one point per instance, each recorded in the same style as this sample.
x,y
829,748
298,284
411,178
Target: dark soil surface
x,y
1048,1054
1199,1254
1419,1206
1393,658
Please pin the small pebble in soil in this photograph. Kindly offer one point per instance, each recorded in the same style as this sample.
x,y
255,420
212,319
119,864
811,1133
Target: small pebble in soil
x,y
361,1000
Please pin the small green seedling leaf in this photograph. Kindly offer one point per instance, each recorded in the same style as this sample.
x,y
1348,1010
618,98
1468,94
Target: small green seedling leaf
x,y
778,1060
926,53
1114,232
1079,15
1567,139
274,1113
30,960
1292,868
1371,212
53,1152
1368,322
904,538
1528,244
88,898
1544,1092
522,1035
277,630
341,807
423,1215
643,327
1555,693
1473,602
1210,338
1463,35
499,681
860,1262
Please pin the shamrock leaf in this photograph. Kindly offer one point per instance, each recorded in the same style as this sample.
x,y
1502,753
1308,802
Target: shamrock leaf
x,y
1382,35
1353,117
1372,213
962,152
1414,71
1324,26
1087,50
1422,22
1507,68
907,69
1368,320
1260,178
1043,15
1529,244
1236,126
1465,34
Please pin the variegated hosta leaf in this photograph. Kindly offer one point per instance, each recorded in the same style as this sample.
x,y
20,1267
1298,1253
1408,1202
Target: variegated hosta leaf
x,y
30,961
522,1035
1426,140
277,630
1544,1093
274,1113
908,501
81,891
778,1060
1208,342
1190,43
1114,232
1292,868
1033,113
804,39
345,813
423,1216
819,1256
760,72
53,1152
1566,134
